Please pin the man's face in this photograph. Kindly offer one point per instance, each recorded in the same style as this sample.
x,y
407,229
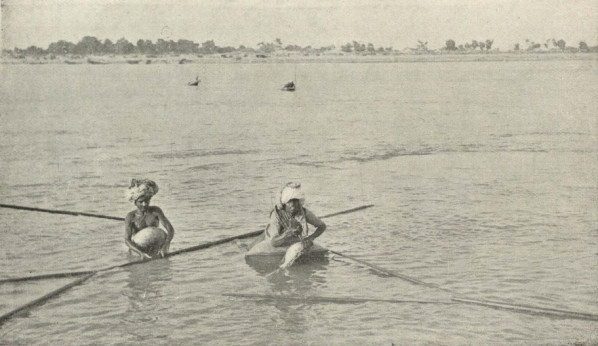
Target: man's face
x,y
142,203
293,206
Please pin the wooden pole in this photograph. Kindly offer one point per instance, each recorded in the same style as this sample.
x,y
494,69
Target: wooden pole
x,y
44,298
65,212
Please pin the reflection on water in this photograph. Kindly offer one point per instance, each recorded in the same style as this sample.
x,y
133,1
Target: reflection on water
x,y
144,284
300,277
267,265
298,280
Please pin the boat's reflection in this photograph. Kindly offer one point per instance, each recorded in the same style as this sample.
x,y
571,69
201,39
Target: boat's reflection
x,y
268,265
302,279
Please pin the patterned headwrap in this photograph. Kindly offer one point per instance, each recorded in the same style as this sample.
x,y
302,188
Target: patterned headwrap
x,y
291,191
140,188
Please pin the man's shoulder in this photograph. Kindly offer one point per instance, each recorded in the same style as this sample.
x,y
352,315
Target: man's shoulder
x,y
155,209
311,217
308,212
130,215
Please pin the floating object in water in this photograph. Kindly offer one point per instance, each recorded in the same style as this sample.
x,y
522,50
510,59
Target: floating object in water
x,y
290,86
196,82
96,62
150,240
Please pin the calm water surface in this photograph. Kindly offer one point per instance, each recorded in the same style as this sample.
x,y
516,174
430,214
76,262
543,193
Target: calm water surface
x,y
483,176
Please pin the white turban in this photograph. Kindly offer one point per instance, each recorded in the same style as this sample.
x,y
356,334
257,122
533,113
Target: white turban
x,y
291,191
140,188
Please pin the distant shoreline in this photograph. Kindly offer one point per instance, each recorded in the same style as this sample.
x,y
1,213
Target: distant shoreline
x,y
329,58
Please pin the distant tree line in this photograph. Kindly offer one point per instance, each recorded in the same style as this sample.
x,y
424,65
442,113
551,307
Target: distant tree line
x,y
90,45
277,45
553,44
451,45
363,48
549,44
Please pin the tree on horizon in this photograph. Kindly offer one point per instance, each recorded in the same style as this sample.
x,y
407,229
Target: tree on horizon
x,y
450,45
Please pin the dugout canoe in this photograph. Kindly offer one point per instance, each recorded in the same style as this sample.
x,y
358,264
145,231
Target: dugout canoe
x,y
265,249
265,258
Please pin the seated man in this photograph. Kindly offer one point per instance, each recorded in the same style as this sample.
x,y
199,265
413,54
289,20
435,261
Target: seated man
x,y
289,220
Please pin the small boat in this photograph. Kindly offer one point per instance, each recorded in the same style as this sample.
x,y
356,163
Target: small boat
x,y
264,250
194,83
95,62
265,258
290,86
133,61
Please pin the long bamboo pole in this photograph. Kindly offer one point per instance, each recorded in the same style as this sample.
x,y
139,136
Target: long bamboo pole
x,y
514,307
64,212
338,300
44,298
47,276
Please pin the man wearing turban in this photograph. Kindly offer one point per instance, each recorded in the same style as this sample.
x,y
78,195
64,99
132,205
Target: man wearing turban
x,y
289,221
142,233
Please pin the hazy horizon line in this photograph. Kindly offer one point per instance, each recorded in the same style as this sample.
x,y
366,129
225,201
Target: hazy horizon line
x,y
283,45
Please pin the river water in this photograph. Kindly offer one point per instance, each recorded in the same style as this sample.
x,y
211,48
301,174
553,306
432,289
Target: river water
x,y
483,177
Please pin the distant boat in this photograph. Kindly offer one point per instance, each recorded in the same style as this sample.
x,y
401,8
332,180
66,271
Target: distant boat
x,y
95,62
71,62
195,83
290,86
133,61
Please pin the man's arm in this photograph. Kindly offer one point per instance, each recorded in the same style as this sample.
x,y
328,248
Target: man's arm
x,y
312,219
166,223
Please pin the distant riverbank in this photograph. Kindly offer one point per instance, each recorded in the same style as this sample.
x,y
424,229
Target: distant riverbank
x,y
329,58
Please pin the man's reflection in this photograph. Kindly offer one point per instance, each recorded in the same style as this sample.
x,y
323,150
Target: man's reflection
x,y
145,282
298,280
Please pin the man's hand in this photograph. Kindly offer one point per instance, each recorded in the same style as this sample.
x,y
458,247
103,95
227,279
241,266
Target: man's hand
x,y
292,232
307,242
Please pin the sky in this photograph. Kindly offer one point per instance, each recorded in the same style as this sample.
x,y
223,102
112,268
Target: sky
x,y
387,23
